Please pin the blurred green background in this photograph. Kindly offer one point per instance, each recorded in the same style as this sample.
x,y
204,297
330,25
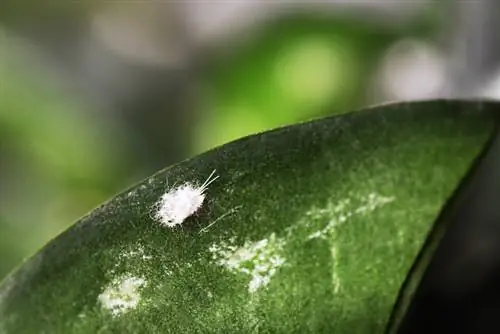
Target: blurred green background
x,y
95,98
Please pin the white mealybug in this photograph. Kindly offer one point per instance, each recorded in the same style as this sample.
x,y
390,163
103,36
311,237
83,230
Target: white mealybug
x,y
181,202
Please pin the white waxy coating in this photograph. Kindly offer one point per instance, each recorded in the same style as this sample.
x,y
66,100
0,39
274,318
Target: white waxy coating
x,y
122,295
181,202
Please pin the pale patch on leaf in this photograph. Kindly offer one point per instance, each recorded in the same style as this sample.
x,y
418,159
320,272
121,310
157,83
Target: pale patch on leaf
x,y
138,253
338,213
130,256
335,269
260,260
122,295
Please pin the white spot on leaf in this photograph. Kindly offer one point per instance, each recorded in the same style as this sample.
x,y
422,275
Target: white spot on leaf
x,y
122,295
137,254
335,269
330,217
181,202
340,212
260,260
130,256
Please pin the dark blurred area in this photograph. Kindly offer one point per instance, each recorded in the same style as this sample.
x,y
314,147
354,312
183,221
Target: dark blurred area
x,y
97,95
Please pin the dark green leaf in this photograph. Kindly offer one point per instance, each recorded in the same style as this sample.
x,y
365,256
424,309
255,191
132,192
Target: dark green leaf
x,y
309,228
453,287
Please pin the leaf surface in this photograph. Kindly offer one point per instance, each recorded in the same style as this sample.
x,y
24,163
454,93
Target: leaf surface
x,y
309,228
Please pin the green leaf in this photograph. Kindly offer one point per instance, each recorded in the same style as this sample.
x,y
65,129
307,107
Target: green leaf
x,y
453,285
309,228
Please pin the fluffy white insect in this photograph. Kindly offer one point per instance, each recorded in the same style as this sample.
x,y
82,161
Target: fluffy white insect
x,y
181,202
